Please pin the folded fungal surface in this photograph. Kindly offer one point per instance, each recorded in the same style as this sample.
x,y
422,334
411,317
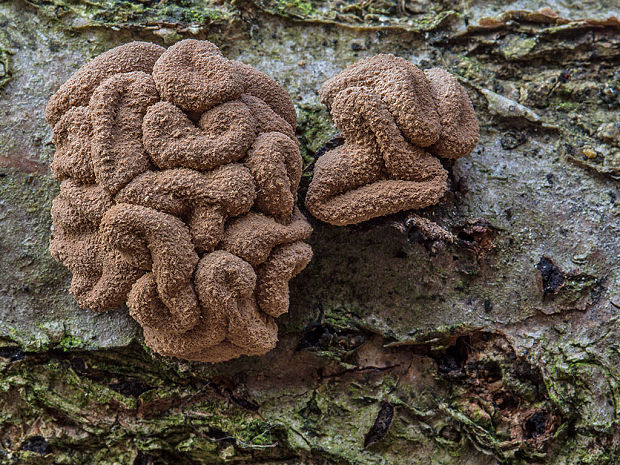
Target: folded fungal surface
x,y
396,121
178,174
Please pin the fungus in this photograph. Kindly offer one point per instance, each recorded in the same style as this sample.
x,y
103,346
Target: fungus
x,y
179,172
396,120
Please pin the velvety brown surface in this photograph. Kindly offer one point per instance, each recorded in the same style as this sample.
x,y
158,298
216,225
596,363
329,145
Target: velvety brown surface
x,y
179,173
396,120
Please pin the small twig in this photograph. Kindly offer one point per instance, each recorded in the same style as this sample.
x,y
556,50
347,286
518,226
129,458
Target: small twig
x,y
429,229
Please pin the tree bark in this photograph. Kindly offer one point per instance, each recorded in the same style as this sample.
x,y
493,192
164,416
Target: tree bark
x,y
496,342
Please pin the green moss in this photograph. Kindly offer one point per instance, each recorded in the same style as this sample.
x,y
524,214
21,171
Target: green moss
x,y
517,47
469,68
566,106
361,15
295,7
433,20
342,317
314,129
185,416
197,448
70,342
5,67
111,13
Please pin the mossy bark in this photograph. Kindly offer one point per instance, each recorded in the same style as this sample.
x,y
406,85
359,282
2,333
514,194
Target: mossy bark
x,y
399,348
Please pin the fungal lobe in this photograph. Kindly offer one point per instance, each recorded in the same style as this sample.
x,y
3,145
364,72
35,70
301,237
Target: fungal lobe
x,y
396,120
179,171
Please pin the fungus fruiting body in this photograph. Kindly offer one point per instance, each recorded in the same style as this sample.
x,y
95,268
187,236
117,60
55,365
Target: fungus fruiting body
x,y
179,171
396,121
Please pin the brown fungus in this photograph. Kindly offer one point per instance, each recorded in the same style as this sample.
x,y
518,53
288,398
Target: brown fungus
x,y
396,120
179,171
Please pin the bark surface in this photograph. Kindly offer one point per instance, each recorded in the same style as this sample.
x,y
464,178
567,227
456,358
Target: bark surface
x,y
489,336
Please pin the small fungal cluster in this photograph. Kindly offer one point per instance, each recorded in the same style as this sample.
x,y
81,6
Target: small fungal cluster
x,y
179,171
396,121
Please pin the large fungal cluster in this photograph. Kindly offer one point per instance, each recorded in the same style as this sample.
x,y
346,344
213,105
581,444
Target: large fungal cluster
x,y
396,121
179,171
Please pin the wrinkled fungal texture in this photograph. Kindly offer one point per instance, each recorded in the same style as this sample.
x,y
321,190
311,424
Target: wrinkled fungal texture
x,y
396,121
179,172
